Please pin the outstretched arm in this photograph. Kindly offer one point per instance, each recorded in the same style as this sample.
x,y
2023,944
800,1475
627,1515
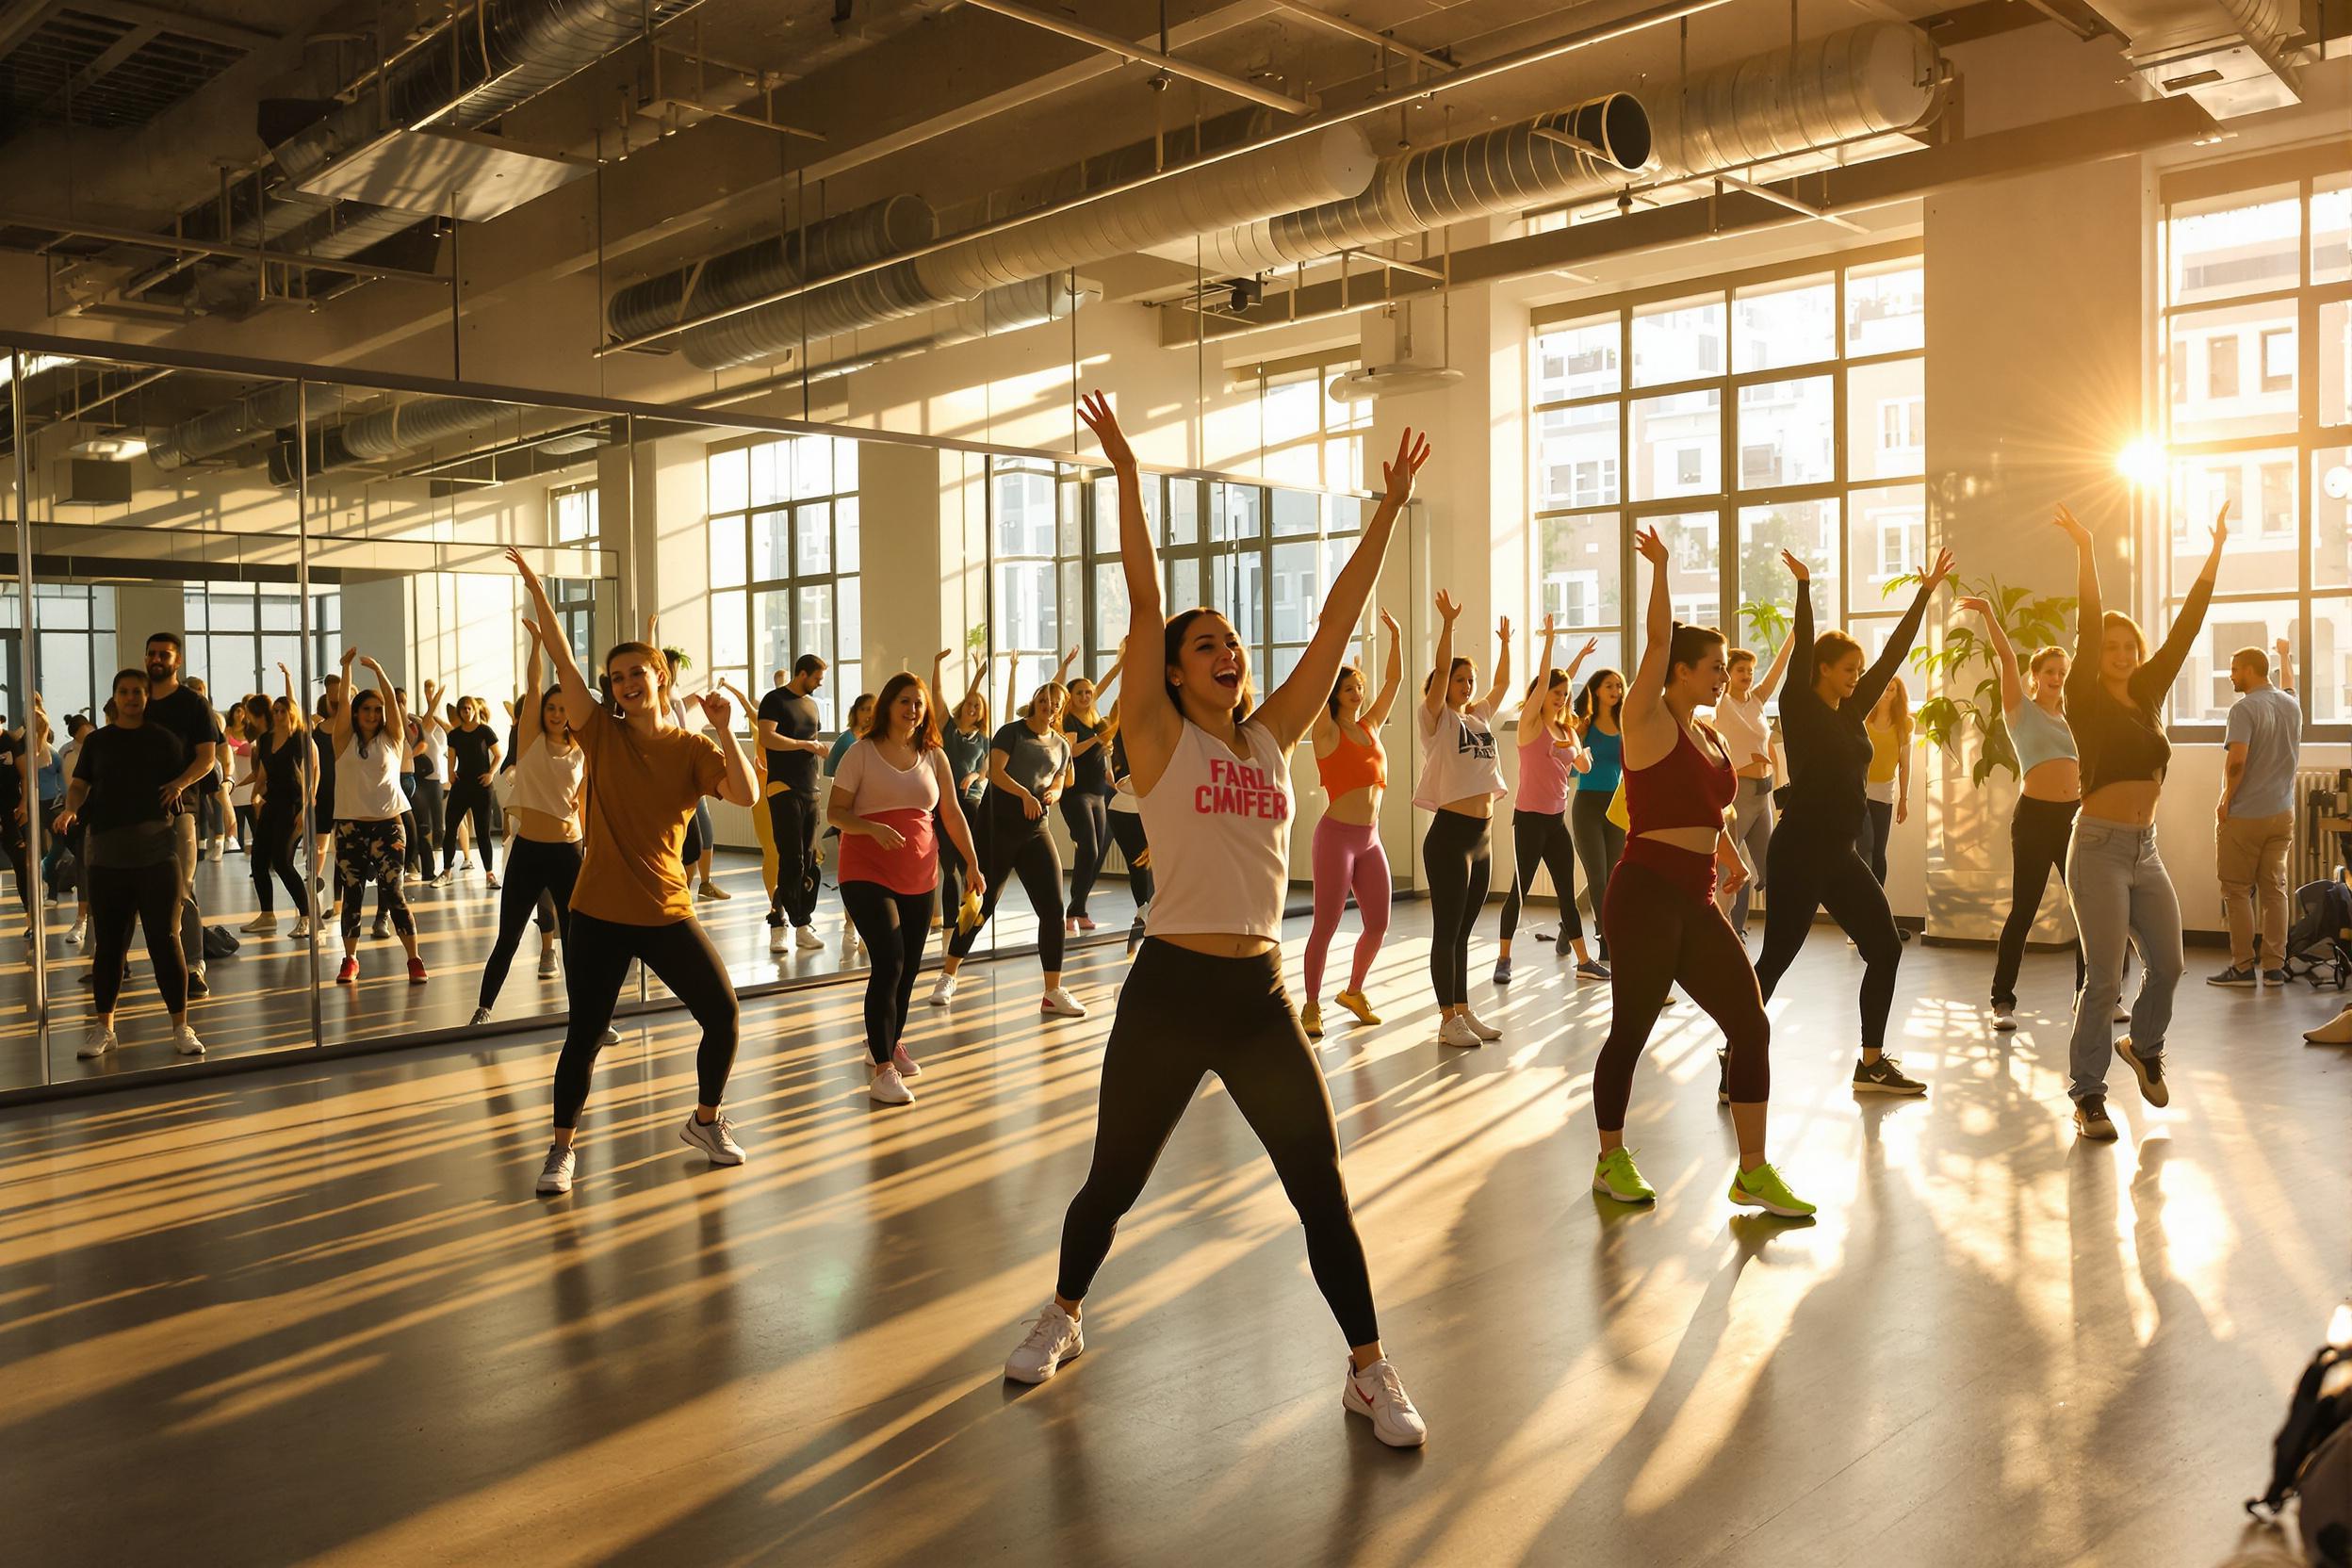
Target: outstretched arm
x,y
1110,678
1434,699
1543,663
580,697
2089,621
1800,626
1874,683
1763,689
2163,666
339,727
529,731
1645,693
1501,683
395,722
1148,714
735,786
1377,715
2004,657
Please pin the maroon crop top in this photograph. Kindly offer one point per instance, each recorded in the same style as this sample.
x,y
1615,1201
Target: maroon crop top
x,y
1681,789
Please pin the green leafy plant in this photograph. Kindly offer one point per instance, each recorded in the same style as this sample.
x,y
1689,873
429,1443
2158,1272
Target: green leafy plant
x,y
2032,622
1771,626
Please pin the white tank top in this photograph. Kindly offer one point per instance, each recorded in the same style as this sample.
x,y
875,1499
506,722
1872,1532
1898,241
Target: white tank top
x,y
368,788
1462,760
1220,829
547,780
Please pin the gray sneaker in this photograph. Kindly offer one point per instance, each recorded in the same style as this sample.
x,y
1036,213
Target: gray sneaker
x,y
2274,977
716,1138
1885,1076
2233,975
556,1175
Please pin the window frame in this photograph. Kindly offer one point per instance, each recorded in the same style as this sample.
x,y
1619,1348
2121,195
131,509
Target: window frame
x,y
844,666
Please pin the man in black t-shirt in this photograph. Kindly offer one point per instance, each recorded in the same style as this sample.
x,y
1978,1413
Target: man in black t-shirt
x,y
788,724
173,705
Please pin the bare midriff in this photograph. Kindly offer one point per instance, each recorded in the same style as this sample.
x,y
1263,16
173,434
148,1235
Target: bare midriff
x,y
2129,801
1698,841
1358,807
541,827
1471,805
2058,779
1219,944
1759,769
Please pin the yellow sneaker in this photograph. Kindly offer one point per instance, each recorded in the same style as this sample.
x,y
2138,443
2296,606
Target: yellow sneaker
x,y
1358,1004
1311,1019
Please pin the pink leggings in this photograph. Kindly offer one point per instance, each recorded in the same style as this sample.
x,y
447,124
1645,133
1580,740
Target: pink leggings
x,y
1348,859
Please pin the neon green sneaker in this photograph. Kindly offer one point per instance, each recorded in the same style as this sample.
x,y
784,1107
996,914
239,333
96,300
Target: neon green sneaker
x,y
1762,1188
1614,1176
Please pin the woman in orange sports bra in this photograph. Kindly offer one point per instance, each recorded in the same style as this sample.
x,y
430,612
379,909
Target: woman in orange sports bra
x,y
1353,766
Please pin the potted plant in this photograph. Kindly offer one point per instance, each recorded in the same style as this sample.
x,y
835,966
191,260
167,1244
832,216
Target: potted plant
x,y
2031,623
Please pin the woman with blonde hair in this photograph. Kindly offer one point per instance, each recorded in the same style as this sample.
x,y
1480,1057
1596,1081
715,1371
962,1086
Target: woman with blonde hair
x,y
1886,787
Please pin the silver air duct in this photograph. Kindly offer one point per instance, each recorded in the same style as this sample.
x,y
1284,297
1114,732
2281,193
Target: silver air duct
x,y
232,425
1871,80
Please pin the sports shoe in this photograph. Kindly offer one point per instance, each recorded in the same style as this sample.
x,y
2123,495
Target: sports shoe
x,y
2004,1017
779,939
612,1035
465,861
81,929
2336,1031
348,974
716,1138
416,972
712,889
491,877
197,985
1885,1076
1479,1027
302,929
908,1066
1614,1176
96,1043
381,929
1762,1188
548,970
1591,969
944,991
806,939
1311,1019
2274,977
482,1016
555,1176
887,1087
1455,1031
263,924
2123,1013
2149,1071
1058,1003
1054,1338
1502,971
2090,1118
1376,1392
183,1040
2233,975
1359,1005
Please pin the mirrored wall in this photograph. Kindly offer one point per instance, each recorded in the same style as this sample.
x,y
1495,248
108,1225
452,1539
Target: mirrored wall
x,y
277,548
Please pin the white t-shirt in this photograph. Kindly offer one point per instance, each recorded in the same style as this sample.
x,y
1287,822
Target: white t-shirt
x,y
1747,734
368,788
1462,760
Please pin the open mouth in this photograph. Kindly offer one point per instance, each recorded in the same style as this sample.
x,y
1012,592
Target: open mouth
x,y
1229,679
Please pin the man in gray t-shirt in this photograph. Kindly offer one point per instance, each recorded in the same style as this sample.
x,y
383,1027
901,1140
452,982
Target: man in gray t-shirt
x,y
2255,817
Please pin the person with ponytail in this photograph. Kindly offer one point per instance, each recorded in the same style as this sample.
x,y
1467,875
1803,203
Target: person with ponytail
x,y
1352,765
1550,758
1460,781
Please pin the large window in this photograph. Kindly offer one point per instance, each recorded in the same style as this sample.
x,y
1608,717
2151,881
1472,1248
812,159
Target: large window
x,y
2258,362
238,633
1781,408
784,564
79,652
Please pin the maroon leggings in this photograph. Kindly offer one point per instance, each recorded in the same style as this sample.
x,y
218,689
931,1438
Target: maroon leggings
x,y
1663,932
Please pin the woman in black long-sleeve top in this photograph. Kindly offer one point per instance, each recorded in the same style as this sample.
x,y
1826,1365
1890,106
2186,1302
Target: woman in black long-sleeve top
x,y
1813,863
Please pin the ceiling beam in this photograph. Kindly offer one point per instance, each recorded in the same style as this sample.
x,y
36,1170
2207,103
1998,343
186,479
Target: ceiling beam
x,y
21,18
202,28
1111,43
1317,16
95,71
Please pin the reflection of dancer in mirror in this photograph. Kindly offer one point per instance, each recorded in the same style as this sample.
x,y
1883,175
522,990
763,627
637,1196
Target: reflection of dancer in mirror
x,y
1135,846
369,740
1664,927
473,766
1460,781
789,722
19,829
283,762
1205,994
1085,804
1741,721
631,900
1599,840
181,710
1029,767
124,798
1550,758
543,861
964,738
1352,766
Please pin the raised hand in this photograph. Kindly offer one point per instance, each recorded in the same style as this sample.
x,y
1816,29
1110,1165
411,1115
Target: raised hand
x,y
2221,527
1797,568
1651,548
1502,631
720,711
1394,631
1397,475
1551,625
1448,609
1978,604
1095,409
1591,645
1943,569
2066,523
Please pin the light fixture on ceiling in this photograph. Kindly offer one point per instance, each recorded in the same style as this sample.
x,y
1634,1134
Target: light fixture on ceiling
x,y
111,449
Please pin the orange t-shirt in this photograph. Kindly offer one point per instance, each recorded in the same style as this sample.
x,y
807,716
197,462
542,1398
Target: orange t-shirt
x,y
641,791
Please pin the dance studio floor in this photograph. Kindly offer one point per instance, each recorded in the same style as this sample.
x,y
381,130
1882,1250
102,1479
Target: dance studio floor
x,y
316,1314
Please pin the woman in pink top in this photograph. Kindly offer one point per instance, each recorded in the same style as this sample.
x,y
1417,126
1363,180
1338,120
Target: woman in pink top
x,y
884,797
1549,756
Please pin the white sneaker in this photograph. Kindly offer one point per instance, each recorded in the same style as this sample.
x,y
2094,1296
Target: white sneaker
x,y
260,926
612,1035
1455,1031
716,1138
555,1177
887,1089
302,929
1058,1003
1479,1027
2123,1014
779,939
482,1016
2004,1019
908,1066
546,964
806,939
944,992
81,929
96,1043
183,1040
491,877
1376,1392
1055,1337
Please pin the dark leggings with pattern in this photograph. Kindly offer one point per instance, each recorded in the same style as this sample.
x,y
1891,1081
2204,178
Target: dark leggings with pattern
x,y
374,852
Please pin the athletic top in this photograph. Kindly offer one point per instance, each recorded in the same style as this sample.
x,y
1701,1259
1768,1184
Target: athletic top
x,y
1829,748
189,717
902,797
795,718
1032,761
1220,829
1093,764
1682,789
2117,746
1740,724
1608,762
642,792
1123,799
547,780
1544,770
842,744
424,761
122,816
1885,762
367,780
323,802
968,758
1462,760
469,754
281,767
2038,737
1351,766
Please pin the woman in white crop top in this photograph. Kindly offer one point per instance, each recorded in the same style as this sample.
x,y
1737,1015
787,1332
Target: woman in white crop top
x,y
1460,781
368,738
550,780
1205,994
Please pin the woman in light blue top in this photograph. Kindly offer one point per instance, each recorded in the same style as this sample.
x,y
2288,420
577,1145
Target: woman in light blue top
x,y
1598,840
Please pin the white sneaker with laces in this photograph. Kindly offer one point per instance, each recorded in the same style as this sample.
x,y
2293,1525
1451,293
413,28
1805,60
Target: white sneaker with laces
x,y
779,939
1058,1003
555,1177
1455,1031
302,929
887,1089
81,929
908,1066
546,964
491,877
96,1043
1053,1337
482,1016
183,1040
1479,1027
260,926
716,1138
944,992
1377,1394
806,939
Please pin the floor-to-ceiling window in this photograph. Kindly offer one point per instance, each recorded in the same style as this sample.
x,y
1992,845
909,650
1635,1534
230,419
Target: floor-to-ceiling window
x,y
238,633
784,564
78,648
1783,408
572,514
2257,346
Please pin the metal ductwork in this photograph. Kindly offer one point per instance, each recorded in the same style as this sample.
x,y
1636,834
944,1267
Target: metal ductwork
x,y
407,427
1585,150
257,414
1334,163
1872,80
863,235
2233,56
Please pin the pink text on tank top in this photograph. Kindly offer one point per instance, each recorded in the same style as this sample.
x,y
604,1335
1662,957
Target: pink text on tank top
x,y
1239,790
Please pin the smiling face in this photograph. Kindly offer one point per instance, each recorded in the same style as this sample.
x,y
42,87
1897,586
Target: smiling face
x,y
1556,699
1612,694
972,713
636,681
1350,696
1838,678
2119,651
906,710
1211,665
367,716
130,701
2049,677
1082,696
1700,684
553,722
1462,683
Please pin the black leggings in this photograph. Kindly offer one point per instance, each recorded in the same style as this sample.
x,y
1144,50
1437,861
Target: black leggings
x,y
1659,936
1455,853
12,843
1010,845
277,837
1541,836
121,896
894,927
792,823
1127,832
534,871
468,799
2038,836
1182,1015
1878,826
1814,864
1088,816
682,959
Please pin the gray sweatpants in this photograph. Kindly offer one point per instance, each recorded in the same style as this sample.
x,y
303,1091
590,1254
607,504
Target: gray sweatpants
x,y
1752,835
2122,896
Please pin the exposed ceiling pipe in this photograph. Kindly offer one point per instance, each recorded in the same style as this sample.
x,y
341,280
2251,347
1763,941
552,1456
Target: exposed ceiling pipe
x,y
407,427
878,229
1111,43
262,411
1873,79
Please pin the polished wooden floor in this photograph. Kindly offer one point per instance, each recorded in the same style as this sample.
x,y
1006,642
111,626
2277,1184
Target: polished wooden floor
x,y
316,1314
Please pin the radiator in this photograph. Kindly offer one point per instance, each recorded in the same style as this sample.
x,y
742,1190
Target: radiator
x,y
2321,850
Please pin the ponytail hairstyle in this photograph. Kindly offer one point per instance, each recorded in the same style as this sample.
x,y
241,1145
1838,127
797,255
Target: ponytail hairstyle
x,y
1690,643
1588,703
